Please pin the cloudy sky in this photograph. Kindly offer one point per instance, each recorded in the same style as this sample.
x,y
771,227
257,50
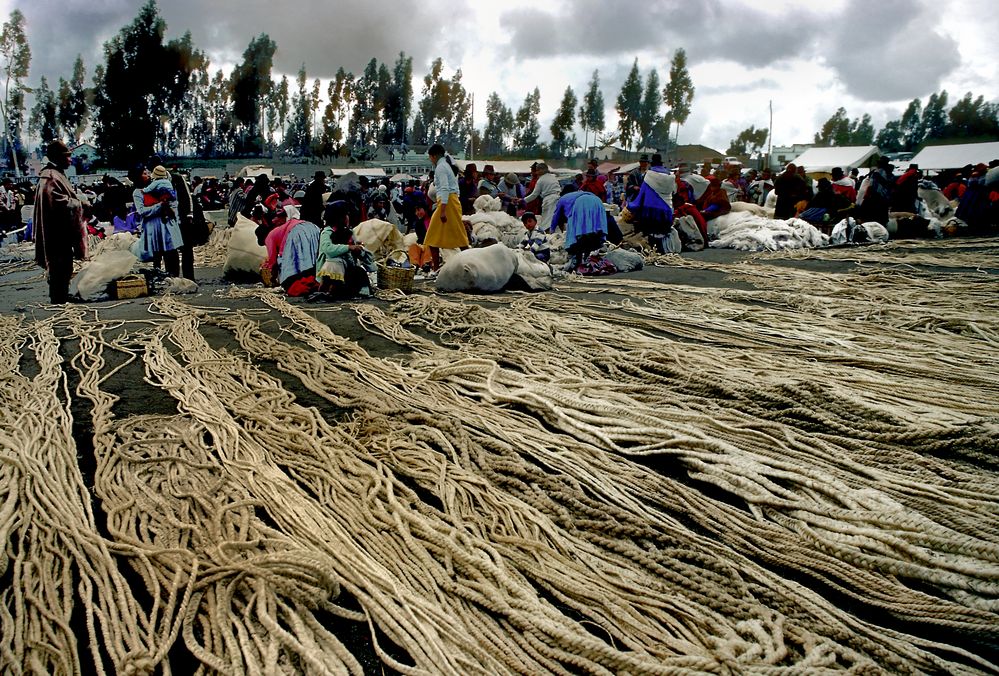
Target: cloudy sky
x,y
809,58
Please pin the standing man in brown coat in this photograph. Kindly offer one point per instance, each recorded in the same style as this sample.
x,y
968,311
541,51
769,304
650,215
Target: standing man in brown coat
x,y
58,223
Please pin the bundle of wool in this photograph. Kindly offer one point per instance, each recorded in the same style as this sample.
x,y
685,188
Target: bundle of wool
x,y
502,226
487,204
746,232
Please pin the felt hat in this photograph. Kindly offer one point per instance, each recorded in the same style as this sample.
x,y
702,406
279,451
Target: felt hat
x,y
643,158
488,169
511,179
56,149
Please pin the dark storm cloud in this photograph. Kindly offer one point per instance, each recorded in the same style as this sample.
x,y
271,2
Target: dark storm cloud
x,y
889,50
708,29
323,34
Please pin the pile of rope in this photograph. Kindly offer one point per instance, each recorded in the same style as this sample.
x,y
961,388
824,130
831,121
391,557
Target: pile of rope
x,y
213,253
792,479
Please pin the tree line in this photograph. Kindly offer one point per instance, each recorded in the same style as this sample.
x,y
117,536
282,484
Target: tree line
x,y
152,95
970,119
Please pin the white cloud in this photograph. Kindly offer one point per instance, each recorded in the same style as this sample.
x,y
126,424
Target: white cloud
x,y
809,58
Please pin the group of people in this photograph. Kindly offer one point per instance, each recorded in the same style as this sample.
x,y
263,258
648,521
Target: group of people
x,y
306,231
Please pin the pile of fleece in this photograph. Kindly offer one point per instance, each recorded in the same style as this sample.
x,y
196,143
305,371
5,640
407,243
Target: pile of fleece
x,y
747,232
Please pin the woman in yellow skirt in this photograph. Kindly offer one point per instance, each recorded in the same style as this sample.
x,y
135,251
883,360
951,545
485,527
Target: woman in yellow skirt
x,y
446,230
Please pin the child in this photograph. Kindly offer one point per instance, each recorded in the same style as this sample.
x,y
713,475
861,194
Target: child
x,y
534,241
160,189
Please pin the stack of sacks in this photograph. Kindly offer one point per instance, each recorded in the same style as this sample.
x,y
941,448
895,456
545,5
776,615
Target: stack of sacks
x,y
244,255
746,232
379,237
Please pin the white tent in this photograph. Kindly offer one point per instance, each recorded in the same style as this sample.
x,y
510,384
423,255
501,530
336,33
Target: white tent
x,y
370,172
521,167
823,160
956,156
254,170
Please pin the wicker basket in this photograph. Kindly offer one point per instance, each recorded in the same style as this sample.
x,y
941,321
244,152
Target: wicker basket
x,y
391,277
131,286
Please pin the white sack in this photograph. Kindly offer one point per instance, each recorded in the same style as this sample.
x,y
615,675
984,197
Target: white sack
x,y
534,274
179,285
875,232
244,254
93,279
934,204
379,237
625,260
487,270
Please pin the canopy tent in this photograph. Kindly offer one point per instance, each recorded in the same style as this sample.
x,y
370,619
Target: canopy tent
x,y
370,172
398,178
254,170
520,167
823,160
956,156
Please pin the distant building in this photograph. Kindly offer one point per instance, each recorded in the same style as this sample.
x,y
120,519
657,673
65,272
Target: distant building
x,y
617,154
781,155
85,150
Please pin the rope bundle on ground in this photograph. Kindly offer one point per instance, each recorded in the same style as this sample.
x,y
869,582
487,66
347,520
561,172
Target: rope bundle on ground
x,y
792,479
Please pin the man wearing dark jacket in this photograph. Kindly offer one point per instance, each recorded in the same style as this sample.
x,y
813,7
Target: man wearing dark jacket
x,y
58,223
312,203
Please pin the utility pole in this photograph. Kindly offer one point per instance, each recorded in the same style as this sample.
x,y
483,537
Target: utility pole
x,y
770,134
471,127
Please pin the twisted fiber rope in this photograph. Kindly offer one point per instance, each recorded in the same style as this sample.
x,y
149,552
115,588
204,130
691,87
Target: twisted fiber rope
x,y
332,352
523,503
244,344
51,537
